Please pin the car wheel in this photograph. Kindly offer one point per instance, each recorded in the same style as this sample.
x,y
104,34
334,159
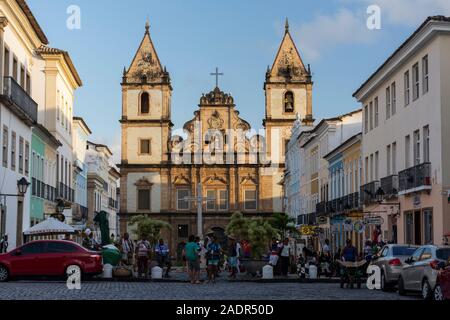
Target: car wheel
x,y
401,287
73,270
426,290
4,274
437,294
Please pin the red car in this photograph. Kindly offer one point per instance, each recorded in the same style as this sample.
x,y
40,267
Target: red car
x,y
442,289
49,258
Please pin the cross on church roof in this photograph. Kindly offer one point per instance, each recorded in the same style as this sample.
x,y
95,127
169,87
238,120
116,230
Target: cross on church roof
x,y
217,74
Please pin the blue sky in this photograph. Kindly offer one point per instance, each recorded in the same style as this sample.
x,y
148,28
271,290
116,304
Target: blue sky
x,y
192,37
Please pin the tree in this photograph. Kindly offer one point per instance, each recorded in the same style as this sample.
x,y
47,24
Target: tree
x,y
149,228
284,224
257,231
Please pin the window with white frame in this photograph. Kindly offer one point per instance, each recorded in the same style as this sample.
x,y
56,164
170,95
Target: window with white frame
x,y
393,99
13,150
250,200
376,112
416,83
407,88
407,151
211,204
21,147
426,144
394,158
5,146
388,103
182,203
371,114
377,165
223,200
388,160
366,119
425,80
417,147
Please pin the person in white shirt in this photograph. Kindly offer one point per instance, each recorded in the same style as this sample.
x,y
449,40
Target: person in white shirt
x,y
285,254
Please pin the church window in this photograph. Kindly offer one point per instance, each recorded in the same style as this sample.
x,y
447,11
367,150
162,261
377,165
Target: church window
x,y
144,199
183,204
250,200
211,204
144,147
289,102
223,199
145,103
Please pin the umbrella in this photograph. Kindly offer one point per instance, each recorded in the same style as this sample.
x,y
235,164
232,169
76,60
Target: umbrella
x,y
49,226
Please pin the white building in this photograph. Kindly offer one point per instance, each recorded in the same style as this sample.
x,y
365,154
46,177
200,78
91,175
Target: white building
x,y
102,185
292,174
315,144
22,91
80,136
406,149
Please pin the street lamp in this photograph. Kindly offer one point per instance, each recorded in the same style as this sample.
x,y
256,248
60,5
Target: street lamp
x,y
22,186
60,207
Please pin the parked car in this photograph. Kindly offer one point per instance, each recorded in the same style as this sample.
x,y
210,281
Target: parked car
x,y
442,289
390,260
49,258
420,271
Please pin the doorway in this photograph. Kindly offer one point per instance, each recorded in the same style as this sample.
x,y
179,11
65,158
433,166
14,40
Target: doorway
x,y
19,231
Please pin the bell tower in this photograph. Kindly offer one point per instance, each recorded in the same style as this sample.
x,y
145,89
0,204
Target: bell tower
x,y
288,89
146,102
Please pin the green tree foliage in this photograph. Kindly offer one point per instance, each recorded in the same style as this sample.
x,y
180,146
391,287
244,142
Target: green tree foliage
x,y
149,228
257,231
284,225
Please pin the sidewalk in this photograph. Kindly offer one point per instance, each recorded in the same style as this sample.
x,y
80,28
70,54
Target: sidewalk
x,y
177,275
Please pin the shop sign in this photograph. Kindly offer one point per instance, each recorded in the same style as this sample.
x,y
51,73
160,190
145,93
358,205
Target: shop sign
x,y
308,230
322,220
375,221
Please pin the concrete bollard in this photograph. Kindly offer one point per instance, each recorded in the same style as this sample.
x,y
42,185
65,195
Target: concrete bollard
x,y
267,272
157,273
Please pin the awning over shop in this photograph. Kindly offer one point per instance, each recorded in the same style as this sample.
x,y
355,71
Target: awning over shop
x,y
50,226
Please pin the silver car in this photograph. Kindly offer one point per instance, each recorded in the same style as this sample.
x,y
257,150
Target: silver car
x,y
420,271
390,260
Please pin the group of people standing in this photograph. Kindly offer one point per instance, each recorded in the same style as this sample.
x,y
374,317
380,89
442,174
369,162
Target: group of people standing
x,y
211,253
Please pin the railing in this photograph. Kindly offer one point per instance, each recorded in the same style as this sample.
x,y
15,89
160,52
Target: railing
x,y
322,208
66,193
369,192
415,177
16,94
41,190
389,185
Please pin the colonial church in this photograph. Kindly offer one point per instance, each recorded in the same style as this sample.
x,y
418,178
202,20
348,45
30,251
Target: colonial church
x,y
154,184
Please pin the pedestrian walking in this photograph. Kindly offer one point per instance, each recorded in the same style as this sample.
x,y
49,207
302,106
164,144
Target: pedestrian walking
x,y
192,250
234,250
285,254
163,257
213,259
143,255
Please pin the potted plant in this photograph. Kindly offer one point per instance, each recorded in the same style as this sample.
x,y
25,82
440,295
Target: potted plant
x,y
258,232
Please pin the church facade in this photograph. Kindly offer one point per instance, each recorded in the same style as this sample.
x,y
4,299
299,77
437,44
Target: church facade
x,y
163,173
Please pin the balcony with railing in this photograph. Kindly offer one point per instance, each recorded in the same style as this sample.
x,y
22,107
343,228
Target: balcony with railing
x,y
389,185
20,101
415,179
369,193
66,193
41,190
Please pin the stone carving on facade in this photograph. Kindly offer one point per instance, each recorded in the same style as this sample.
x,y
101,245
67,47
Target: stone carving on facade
x,y
181,179
215,121
215,179
216,97
248,179
143,182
